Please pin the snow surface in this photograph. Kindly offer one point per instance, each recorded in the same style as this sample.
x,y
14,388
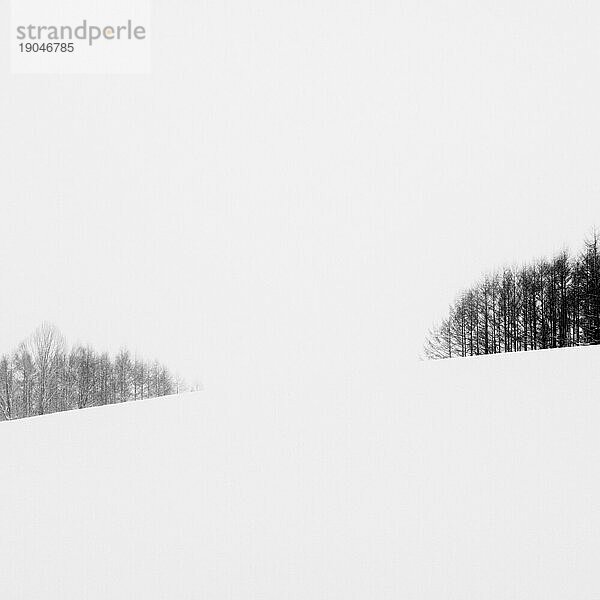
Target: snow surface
x,y
476,478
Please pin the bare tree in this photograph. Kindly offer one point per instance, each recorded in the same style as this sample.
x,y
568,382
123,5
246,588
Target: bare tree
x,y
23,380
6,388
123,373
47,346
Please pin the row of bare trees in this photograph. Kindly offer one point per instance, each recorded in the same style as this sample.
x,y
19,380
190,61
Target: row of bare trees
x,y
43,376
549,304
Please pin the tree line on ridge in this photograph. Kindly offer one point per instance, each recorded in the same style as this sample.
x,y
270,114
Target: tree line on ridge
x,y
551,303
43,375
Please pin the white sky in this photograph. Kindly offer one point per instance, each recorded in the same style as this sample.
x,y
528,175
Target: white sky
x,y
298,189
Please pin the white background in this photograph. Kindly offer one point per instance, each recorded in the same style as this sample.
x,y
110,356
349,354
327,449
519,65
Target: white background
x,y
298,190
283,207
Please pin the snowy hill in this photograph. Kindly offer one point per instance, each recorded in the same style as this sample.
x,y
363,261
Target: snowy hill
x,y
478,479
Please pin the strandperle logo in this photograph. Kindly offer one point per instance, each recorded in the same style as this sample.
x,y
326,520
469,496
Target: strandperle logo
x,y
84,32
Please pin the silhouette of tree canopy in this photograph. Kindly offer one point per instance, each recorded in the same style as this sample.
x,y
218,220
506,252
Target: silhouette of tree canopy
x,y
552,303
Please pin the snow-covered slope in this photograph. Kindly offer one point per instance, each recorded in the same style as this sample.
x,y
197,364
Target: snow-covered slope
x,y
472,479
